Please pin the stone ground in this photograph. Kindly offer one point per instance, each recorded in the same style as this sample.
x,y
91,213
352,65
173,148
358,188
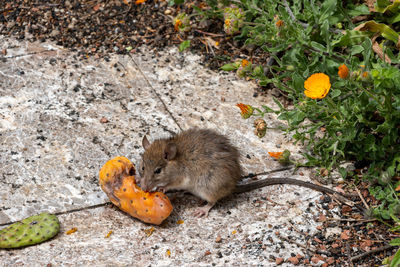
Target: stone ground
x,y
53,143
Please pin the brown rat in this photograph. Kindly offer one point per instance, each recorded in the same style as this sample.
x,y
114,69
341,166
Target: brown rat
x,y
202,162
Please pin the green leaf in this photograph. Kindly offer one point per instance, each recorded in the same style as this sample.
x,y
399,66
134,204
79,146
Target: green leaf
x,y
229,67
184,45
394,19
327,9
297,116
319,47
350,38
356,49
359,10
396,259
383,6
343,172
395,242
268,109
385,214
383,29
335,93
278,103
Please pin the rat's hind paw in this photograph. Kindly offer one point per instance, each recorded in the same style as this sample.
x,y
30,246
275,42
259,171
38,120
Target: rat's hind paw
x,y
203,211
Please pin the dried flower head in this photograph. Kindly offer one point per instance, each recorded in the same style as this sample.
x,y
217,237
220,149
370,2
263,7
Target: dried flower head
x,y
317,86
245,110
260,127
343,71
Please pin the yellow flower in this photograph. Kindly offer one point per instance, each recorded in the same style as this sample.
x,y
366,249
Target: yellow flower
x,y
343,71
317,86
245,110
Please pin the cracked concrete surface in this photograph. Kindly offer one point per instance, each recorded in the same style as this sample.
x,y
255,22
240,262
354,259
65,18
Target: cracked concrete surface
x,y
53,143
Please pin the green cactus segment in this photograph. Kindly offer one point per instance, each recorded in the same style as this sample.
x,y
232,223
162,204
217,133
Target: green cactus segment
x,y
32,230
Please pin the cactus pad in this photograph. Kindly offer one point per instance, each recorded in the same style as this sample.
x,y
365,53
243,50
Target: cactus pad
x,y
32,230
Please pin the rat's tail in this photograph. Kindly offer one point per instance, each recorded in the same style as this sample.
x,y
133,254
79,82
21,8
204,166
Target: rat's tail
x,y
241,188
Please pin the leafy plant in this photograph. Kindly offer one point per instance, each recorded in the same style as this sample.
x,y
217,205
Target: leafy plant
x,y
342,79
184,45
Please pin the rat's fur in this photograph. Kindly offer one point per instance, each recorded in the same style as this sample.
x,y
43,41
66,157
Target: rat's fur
x,y
200,161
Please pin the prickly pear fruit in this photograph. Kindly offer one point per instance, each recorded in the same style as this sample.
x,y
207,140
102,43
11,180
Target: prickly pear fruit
x,y
118,182
32,230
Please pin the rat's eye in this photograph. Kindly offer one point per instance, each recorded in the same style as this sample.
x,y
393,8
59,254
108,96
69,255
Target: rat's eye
x,y
157,171
143,168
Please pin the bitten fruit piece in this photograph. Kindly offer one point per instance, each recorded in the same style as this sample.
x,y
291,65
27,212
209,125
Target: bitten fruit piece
x,y
32,230
118,182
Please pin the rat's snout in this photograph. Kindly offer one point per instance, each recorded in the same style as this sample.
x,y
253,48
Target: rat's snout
x,y
143,185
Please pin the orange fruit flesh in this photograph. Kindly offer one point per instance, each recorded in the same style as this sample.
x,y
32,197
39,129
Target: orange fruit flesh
x,y
118,182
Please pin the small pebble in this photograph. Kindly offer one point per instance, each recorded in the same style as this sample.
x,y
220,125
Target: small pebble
x,y
279,261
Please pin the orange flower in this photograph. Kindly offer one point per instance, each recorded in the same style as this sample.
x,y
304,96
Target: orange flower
x,y
245,62
227,22
343,71
317,86
178,23
276,155
365,74
279,23
138,2
245,110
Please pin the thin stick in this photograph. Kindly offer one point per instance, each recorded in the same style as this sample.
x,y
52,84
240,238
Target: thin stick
x,y
155,92
361,197
355,258
211,34
70,211
289,11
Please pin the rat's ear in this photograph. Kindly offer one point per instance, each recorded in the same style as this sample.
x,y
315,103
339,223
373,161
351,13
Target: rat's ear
x,y
170,151
145,142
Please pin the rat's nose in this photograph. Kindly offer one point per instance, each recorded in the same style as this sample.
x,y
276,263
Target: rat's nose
x,y
142,184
